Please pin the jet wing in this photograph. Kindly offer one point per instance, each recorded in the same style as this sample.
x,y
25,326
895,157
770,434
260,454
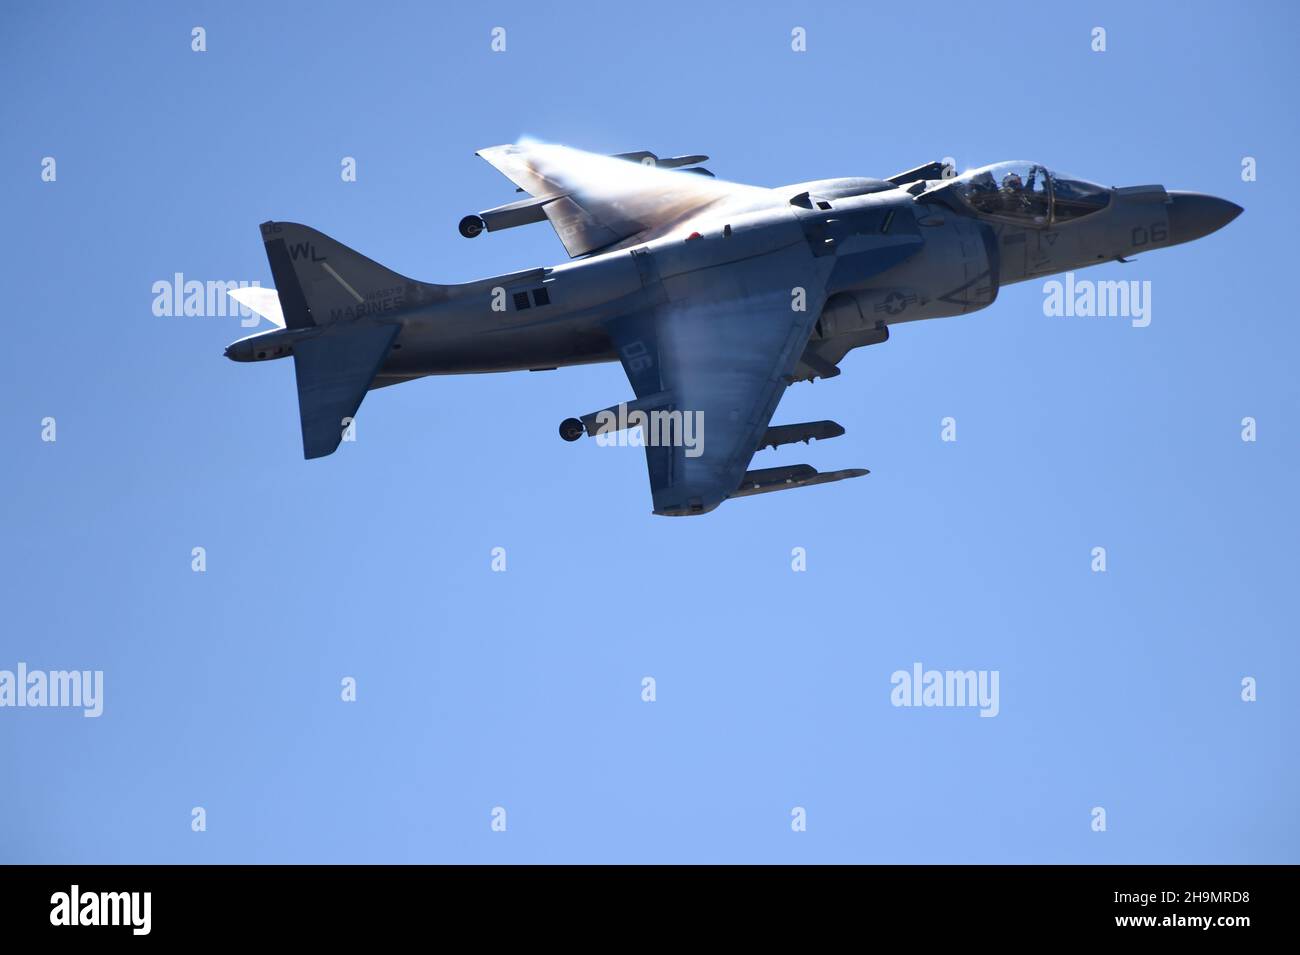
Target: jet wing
x,y
596,202
721,358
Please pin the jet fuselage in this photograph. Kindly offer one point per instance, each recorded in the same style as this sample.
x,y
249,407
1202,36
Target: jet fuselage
x,y
949,261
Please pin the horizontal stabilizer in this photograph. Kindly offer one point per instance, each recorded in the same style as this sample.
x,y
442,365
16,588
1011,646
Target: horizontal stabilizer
x,y
263,301
794,475
809,431
334,372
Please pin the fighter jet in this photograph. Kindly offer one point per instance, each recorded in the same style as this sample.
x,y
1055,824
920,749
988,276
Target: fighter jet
x,y
715,296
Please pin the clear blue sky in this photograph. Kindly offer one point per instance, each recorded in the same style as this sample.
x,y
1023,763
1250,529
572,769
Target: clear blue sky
x,y
522,689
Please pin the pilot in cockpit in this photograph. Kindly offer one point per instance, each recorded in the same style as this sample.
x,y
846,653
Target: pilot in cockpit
x,y
1012,193
983,182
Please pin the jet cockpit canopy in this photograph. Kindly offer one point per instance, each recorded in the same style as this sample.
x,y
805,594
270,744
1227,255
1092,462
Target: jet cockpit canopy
x,y
1027,194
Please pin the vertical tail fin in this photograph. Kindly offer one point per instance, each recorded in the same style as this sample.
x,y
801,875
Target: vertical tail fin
x,y
321,281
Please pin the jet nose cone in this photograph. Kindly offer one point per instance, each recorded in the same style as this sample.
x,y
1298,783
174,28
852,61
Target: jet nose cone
x,y
1194,214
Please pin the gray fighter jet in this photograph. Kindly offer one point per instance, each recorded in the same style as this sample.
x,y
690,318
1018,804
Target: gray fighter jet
x,y
714,296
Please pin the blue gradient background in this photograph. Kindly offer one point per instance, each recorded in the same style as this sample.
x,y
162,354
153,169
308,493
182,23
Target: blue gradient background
x,y
522,689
